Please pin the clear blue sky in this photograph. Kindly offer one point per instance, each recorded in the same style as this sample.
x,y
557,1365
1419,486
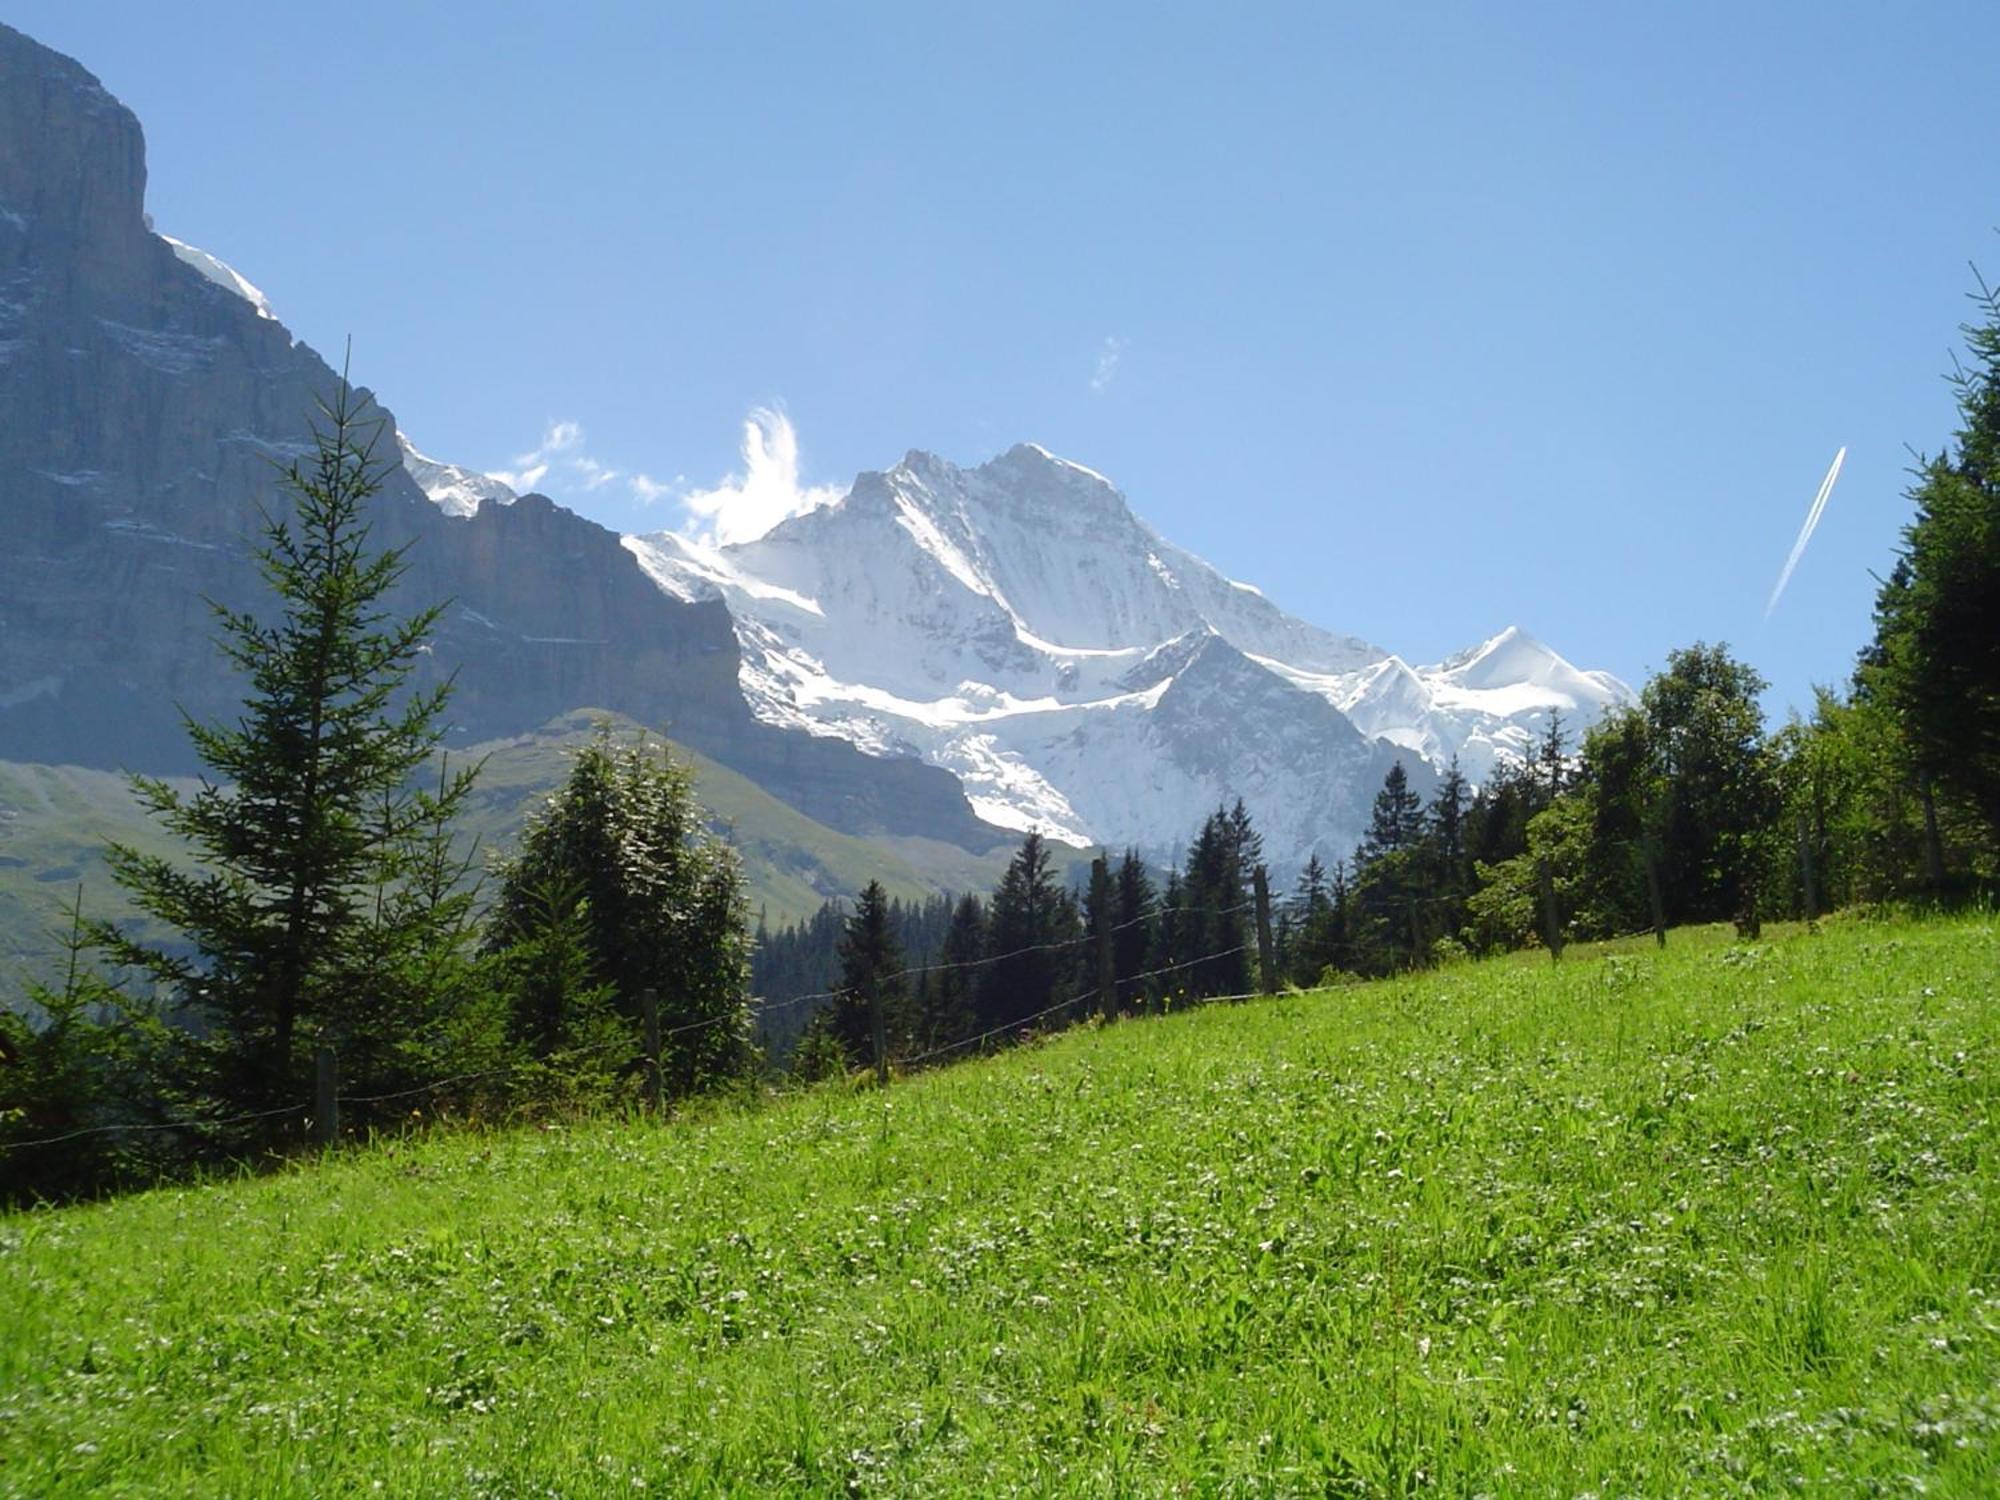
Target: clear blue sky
x,y
1425,319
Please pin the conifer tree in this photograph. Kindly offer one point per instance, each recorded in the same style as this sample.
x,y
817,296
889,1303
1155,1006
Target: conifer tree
x,y
1132,941
1447,827
1552,758
1306,924
1449,873
1098,973
949,1013
1215,926
310,824
555,999
570,1044
1496,824
1338,942
662,895
1246,844
1397,819
77,1073
1391,919
1935,660
1031,940
818,1055
1309,899
869,1016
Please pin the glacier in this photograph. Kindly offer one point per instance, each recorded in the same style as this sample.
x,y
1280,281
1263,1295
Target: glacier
x,y
1017,624
455,490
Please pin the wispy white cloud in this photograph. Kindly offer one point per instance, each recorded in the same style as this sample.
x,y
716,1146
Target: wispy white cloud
x,y
740,508
646,489
745,506
532,467
1108,355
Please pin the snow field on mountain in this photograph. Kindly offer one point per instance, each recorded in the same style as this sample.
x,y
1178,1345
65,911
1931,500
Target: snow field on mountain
x,y
1018,625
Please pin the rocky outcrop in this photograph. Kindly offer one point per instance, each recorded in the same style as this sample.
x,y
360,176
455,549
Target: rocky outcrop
x,y
142,408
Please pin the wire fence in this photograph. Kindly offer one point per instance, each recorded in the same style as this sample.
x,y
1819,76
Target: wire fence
x,y
650,1056
196,1122
733,1014
1070,1003
916,971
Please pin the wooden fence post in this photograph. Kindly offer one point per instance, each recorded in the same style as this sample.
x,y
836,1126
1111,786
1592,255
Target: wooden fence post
x,y
1267,957
1551,921
1806,877
649,1015
880,1024
326,1095
1649,851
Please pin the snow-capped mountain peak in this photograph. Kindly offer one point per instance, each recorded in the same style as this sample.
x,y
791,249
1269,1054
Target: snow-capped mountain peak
x,y
1513,656
457,491
222,274
1512,671
1017,623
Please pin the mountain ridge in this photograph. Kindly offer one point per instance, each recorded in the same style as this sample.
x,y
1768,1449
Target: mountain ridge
x,y
993,619
944,651
144,393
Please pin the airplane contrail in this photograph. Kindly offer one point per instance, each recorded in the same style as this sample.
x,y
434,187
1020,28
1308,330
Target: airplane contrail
x,y
1806,531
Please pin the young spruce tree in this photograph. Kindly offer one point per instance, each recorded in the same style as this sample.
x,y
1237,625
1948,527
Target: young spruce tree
x,y
870,1014
312,807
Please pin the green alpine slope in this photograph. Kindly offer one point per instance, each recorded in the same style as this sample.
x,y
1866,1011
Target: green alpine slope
x,y
1723,1220
54,821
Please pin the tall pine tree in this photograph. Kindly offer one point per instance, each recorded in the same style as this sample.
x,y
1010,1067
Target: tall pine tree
x,y
1032,937
1215,926
1397,819
312,810
1935,660
1132,940
948,1013
870,1015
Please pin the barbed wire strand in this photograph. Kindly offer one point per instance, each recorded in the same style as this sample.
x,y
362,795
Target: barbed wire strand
x,y
761,1010
189,1124
1024,1021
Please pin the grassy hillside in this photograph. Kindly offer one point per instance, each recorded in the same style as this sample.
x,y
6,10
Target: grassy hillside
x,y
792,863
55,820
1717,1221
54,823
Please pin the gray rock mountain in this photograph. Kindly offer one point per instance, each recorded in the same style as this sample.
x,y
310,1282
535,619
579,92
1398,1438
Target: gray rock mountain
x,y
144,396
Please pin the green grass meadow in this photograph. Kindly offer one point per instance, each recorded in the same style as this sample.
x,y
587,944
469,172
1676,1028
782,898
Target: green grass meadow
x,y
1716,1221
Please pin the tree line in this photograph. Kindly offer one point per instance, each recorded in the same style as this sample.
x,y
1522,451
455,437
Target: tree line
x,y
1036,951
1684,807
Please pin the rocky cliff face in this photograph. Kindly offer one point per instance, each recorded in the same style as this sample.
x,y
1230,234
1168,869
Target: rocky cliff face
x,y
142,404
